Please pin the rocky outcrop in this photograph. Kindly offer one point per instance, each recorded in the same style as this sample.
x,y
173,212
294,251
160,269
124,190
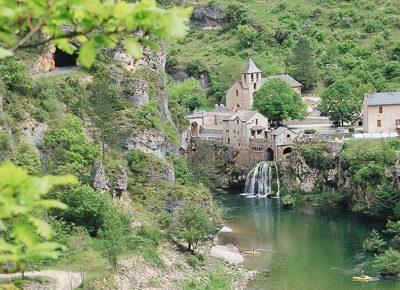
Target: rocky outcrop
x,y
100,181
121,184
4,125
207,17
45,62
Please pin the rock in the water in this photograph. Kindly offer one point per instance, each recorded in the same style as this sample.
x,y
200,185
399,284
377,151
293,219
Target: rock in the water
x,y
100,181
228,254
225,229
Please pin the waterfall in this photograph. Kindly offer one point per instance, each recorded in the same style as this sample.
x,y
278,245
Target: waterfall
x,y
259,180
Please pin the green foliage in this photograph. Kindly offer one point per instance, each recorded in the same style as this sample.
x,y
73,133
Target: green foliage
x,y
68,150
303,64
149,116
356,154
182,171
278,101
5,145
195,261
27,157
216,279
374,243
105,101
86,208
341,102
21,202
310,131
187,93
370,174
145,165
388,263
194,224
247,35
13,74
288,201
96,25
114,235
393,228
315,157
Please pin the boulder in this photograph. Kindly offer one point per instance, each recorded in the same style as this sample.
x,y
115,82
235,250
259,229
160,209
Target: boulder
x,y
227,253
100,181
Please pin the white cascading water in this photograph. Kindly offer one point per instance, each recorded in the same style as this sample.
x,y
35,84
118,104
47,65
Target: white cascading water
x,y
259,180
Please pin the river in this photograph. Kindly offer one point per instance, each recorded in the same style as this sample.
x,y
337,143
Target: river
x,y
305,248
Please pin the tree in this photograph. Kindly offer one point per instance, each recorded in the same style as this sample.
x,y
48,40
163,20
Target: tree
x,y
93,23
105,100
194,224
303,65
114,235
341,102
25,236
374,243
247,35
278,101
188,93
388,263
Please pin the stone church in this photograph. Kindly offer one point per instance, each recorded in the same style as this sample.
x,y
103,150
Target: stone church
x,y
240,94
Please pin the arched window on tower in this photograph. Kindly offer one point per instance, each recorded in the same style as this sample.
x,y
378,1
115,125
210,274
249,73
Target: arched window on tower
x,y
255,86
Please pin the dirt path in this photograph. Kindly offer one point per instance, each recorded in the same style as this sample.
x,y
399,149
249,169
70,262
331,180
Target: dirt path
x,y
63,280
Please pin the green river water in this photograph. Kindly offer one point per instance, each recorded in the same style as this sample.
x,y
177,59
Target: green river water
x,y
302,249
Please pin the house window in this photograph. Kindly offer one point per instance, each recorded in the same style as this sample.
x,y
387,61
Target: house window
x,y
256,121
288,136
380,110
238,144
398,123
229,140
360,123
237,93
252,77
255,86
227,131
237,121
379,123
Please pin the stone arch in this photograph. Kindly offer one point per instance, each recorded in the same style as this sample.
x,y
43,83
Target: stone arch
x,y
194,129
63,59
287,150
270,154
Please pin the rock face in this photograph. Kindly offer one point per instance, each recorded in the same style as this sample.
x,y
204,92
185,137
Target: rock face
x,y
45,62
121,183
207,17
100,181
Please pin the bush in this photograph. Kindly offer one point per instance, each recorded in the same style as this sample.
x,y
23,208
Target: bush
x,y
310,131
27,157
374,243
195,262
388,263
194,224
13,73
248,36
86,208
288,201
370,174
182,171
393,228
352,129
314,157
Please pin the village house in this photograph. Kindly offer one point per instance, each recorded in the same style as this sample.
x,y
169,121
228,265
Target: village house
x,y
240,94
243,126
381,112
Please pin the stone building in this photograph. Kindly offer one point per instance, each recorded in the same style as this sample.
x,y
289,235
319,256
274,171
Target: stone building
x,y
240,94
242,126
381,112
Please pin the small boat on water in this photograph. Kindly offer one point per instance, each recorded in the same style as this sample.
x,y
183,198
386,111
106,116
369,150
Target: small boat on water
x,y
252,253
363,279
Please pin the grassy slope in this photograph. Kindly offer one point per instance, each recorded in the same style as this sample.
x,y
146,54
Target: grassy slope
x,y
339,24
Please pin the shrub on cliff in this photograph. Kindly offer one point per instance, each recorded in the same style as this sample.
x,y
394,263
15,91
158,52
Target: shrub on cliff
x,y
388,263
374,243
314,157
288,201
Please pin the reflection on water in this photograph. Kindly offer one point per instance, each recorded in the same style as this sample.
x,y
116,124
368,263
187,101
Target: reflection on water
x,y
305,248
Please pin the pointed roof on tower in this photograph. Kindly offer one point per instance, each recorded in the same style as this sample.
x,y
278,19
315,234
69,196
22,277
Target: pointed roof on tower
x,y
251,68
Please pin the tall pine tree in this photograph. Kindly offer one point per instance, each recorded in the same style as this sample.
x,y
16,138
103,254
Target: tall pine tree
x,y
303,65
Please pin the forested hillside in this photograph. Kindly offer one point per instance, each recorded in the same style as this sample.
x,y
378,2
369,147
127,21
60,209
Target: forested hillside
x,y
352,40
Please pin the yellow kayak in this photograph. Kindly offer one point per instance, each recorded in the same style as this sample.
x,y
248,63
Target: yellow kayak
x,y
252,253
363,279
